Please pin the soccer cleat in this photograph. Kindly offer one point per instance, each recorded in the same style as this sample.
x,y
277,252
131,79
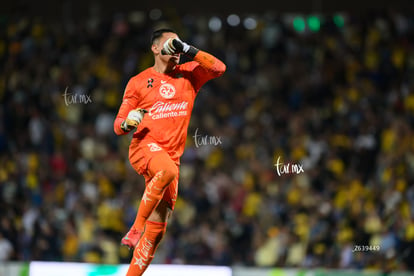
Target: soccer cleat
x,y
131,238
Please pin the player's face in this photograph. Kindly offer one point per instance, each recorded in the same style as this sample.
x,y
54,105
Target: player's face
x,y
168,58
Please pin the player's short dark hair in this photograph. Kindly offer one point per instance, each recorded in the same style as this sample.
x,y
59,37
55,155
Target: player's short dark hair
x,y
158,33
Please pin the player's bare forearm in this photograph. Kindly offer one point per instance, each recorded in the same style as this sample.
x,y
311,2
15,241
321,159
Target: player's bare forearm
x,y
210,63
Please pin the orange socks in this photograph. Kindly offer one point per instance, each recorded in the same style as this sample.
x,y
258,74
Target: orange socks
x,y
144,251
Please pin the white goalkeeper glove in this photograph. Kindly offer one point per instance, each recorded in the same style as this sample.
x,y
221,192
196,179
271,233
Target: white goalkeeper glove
x,y
174,46
134,118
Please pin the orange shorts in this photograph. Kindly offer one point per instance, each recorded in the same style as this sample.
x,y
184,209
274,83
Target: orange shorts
x,y
142,154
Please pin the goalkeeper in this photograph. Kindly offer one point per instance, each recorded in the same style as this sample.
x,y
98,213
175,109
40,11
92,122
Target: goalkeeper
x,y
157,105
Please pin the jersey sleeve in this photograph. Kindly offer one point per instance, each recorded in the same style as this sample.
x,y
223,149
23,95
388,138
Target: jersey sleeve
x,y
129,102
206,67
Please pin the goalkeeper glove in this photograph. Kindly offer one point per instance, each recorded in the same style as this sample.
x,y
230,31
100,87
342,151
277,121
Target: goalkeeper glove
x,y
133,120
176,46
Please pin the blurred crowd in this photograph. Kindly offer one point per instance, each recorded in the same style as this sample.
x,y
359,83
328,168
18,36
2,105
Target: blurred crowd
x,y
339,102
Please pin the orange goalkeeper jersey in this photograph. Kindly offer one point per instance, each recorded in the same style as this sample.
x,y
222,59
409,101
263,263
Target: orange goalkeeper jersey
x,y
169,98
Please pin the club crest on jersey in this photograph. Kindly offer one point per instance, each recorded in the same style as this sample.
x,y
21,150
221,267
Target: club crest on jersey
x,y
167,90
